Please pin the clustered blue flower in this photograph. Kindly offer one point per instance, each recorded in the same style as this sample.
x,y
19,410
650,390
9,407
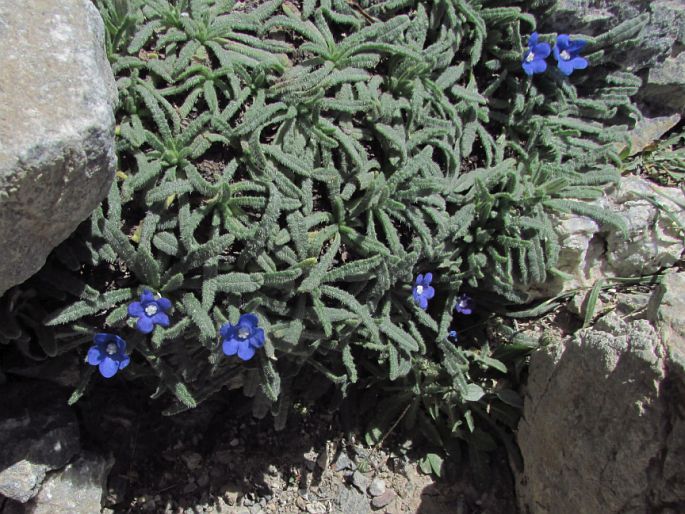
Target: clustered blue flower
x,y
109,350
242,339
566,52
423,291
108,354
150,312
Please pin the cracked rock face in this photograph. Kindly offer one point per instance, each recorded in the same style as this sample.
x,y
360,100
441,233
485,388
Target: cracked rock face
x,y
38,434
590,251
602,428
56,127
658,54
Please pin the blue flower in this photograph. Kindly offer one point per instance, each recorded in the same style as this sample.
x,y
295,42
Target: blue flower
x,y
244,338
108,354
566,52
452,334
464,304
423,291
534,58
150,312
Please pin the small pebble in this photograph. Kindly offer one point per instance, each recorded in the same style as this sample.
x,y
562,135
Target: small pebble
x,y
316,508
360,481
234,442
377,487
384,499
301,504
343,462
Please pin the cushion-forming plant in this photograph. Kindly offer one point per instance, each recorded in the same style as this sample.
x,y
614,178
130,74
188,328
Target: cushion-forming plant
x,y
304,162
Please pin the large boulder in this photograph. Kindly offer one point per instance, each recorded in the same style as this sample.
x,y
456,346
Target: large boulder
x,y
657,52
57,157
602,430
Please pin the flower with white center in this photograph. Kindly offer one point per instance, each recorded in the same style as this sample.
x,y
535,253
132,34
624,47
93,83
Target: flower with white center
x,y
423,291
242,339
567,54
108,353
534,58
150,311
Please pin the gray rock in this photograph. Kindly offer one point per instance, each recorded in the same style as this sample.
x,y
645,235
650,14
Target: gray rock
x,y
316,508
351,500
38,433
78,487
360,481
378,502
590,251
56,127
657,43
666,81
343,462
665,27
377,487
600,430
667,310
647,131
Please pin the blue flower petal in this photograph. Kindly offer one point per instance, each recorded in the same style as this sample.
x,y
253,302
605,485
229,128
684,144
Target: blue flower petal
x,y
108,367
563,41
579,63
528,68
538,66
428,279
226,331
533,39
102,338
121,344
429,292
576,45
249,320
94,356
416,296
423,302
566,67
257,339
145,325
230,346
147,296
124,361
245,351
160,319
542,50
136,310
164,303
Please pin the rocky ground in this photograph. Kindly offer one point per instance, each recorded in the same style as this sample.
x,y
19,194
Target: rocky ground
x,y
217,458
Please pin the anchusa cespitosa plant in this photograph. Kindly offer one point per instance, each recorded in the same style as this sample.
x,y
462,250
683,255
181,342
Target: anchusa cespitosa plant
x,y
287,174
